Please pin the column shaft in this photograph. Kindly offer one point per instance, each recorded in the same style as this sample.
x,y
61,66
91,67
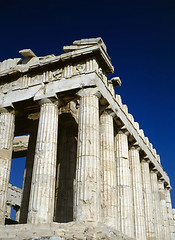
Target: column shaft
x,y
87,186
163,209
7,120
139,217
156,205
108,170
173,235
41,204
125,221
28,174
148,201
170,212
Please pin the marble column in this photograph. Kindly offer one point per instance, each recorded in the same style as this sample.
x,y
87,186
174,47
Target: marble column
x,y
28,173
125,221
108,170
139,216
170,212
41,203
164,214
87,184
147,199
156,204
173,235
7,122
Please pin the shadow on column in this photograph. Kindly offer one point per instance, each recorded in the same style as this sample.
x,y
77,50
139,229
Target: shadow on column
x,y
28,173
66,168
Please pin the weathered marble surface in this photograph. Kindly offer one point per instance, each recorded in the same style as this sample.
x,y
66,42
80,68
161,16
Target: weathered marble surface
x,y
139,216
62,231
156,204
170,213
108,170
165,230
124,195
41,204
87,183
20,143
7,125
147,200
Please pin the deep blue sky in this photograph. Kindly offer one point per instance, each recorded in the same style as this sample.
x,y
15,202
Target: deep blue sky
x,y
140,37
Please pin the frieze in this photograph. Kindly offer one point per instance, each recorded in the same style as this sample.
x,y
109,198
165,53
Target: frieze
x,y
68,71
80,68
58,74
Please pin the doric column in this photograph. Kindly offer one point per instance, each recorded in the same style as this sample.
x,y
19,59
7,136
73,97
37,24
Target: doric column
x,y
156,204
87,184
125,221
170,212
139,217
163,209
28,174
41,203
7,120
147,199
108,170
173,210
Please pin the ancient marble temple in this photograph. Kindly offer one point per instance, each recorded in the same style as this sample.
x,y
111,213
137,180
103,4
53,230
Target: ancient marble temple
x,y
90,171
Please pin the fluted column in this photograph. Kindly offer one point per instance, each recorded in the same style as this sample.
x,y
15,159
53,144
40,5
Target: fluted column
x,y
170,212
163,209
156,204
7,120
41,203
87,185
147,199
125,221
28,174
108,170
173,210
139,217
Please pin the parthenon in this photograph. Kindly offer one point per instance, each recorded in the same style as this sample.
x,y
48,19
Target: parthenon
x,y
90,171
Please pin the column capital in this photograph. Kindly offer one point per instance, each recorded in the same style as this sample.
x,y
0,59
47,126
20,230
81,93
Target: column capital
x,y
109,111
168,187
89,92
135,146
154,169
145,159
54,100
162,180
9,109
124,130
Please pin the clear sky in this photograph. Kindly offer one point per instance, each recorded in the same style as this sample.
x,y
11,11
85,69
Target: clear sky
x,y
140,37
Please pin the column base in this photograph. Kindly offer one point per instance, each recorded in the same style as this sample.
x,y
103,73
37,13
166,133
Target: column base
x,y
61,231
